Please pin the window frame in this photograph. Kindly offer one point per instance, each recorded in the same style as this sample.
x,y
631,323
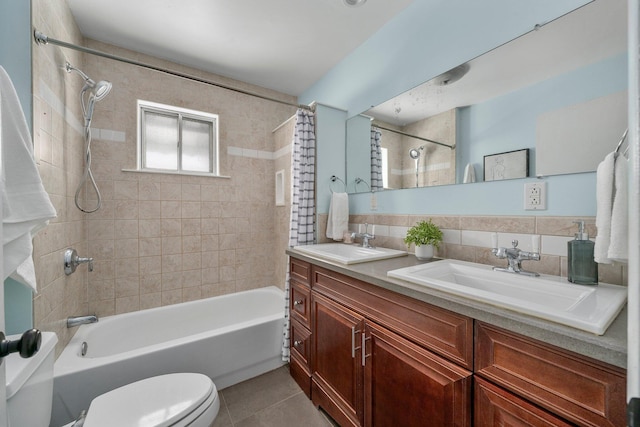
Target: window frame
x,y
181,114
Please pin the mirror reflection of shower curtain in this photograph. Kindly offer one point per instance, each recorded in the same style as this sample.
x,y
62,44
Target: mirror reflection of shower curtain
x,y
376,159
302,223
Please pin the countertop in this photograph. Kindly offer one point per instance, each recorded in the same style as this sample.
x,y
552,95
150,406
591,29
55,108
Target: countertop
x,y
609,348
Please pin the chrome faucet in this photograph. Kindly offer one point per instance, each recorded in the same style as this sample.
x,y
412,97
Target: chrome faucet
x,y
72,261
81,320
366,237
515,257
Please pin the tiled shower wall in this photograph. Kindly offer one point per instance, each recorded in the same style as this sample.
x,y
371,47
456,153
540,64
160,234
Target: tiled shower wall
x,y
163,239
158,238
57,134
468,238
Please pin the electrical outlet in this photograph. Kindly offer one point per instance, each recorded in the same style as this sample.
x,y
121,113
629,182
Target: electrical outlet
x,y
535,196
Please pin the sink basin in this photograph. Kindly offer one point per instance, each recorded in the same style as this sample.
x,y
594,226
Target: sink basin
x,y
348,254
589,308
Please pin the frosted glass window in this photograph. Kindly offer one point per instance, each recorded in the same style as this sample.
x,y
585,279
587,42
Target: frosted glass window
x,y
196,142
161,137
177,140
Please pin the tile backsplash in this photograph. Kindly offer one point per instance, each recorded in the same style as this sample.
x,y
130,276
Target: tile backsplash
x,y
468,238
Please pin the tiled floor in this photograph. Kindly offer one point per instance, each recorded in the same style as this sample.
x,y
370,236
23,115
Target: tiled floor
x,y
270,400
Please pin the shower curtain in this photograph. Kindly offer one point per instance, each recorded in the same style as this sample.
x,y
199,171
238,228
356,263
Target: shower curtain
x,y
302,223
376,159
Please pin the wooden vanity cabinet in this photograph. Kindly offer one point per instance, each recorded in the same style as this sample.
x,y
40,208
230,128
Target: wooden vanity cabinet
x,y
365,374
337,378
406,385
300,323
581,390
494,406
372,357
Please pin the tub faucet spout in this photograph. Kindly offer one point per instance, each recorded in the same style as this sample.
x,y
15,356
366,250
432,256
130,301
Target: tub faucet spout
x,y
81,320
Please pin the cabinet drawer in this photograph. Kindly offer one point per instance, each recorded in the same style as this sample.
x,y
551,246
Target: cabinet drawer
x,y
581,390
300,271
495,406
443,332
300,344
299,299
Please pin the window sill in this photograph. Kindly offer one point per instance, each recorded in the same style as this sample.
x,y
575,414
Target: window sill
x,y
208,175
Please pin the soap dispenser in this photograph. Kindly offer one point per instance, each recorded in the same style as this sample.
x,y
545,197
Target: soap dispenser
x,y
583,269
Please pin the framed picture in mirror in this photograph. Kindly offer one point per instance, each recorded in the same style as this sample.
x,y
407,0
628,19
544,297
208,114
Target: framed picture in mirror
x,y
507,165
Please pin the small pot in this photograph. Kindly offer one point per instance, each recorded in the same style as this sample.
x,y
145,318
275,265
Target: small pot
x,y
424,252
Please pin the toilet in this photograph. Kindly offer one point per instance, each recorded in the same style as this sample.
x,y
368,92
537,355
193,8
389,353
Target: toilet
x,y
172,400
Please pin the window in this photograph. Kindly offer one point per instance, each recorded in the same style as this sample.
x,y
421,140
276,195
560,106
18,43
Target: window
x,y
178,140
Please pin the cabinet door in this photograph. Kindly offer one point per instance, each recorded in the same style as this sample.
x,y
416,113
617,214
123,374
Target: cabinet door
x,y
494,406
580,390
337,370
406,385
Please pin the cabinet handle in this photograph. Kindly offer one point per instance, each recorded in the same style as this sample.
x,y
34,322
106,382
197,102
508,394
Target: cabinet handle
x,y
297,343
364,348
297,302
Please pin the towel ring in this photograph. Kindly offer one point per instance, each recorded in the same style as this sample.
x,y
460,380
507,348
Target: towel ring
x,y
333,180
360,180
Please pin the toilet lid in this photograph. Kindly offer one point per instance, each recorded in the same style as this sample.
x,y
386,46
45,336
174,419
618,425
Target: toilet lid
x,y
158,401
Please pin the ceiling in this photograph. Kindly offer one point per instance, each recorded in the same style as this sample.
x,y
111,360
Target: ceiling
x,y
285,45
585,36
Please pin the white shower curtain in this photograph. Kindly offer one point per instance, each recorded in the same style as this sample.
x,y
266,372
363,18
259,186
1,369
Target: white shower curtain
x,y
302,224
376,160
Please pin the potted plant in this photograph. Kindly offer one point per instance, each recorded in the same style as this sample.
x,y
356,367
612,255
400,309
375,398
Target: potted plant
x,y
424,235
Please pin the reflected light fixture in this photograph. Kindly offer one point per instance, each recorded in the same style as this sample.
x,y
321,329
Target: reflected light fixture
x,y
451,76
354,3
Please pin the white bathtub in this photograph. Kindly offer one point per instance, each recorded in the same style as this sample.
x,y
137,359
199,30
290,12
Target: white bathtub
x,y
230,338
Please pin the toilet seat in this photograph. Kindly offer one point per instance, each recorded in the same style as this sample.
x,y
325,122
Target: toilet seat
x,y
172,400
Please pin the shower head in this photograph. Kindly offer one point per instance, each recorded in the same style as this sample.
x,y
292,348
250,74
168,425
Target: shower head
x,y
101,89
414,153
97,90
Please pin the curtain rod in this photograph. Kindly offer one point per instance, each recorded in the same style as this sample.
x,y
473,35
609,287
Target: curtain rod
x,y
41,38
413,136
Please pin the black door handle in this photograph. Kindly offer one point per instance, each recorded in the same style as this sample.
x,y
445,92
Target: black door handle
x,y
27,345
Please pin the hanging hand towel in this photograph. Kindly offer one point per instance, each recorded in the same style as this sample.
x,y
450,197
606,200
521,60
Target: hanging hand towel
x,y
26,207
469,174
338,219
619,239
604,206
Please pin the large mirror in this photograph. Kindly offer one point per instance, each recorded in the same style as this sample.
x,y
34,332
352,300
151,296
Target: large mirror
x,y
550,102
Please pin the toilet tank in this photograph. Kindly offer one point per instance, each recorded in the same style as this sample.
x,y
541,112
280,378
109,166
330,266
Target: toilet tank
x,y
30,384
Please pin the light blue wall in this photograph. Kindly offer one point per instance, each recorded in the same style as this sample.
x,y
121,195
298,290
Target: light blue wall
x,y
330,153
567,195
358,152
18,308
15,48
15,58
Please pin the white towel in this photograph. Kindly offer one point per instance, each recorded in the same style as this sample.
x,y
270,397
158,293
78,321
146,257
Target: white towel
x,y
469,174
604,207
619,244
26,207
338,219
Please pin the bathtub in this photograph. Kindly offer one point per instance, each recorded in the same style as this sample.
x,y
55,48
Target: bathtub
x,y
230,338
